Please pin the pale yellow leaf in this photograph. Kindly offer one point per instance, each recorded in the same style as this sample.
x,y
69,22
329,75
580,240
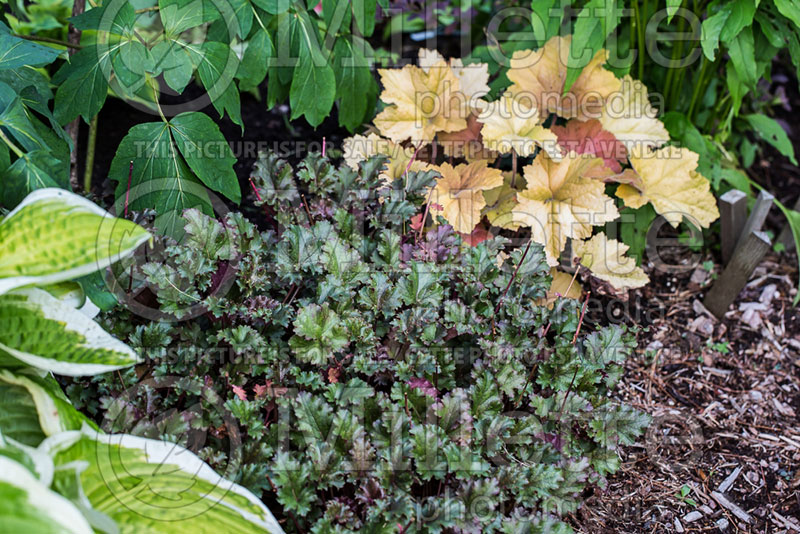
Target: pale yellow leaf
x,y
460,192
606,259
473,78
564,199
510,124
630,117
421,103
669,180
562,286
541,76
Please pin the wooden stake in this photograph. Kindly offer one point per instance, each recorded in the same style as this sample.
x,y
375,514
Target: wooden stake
x,y
732,216
744,261
757,217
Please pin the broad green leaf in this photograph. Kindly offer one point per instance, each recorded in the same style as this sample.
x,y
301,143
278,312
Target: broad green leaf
x,y
171,59
84,75
34,170
243,11
39,330
735,87
177,16
711,30
54,235
543,20
130,60
16,53
14,119
27,505
273,7
789,9
364,14
217,65
34,408
772,133
591,30
154,486
741,16
313,87
160,180
253,67
353,78
207,152
672,8
743,56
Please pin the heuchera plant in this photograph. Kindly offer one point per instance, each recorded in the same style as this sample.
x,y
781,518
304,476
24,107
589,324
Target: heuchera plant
x,y
385,377
586,142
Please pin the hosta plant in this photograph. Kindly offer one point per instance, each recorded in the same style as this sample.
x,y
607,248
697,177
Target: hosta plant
x,y
385,377
583,148
59,473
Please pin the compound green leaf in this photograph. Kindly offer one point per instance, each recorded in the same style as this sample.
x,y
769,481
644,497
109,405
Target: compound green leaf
x,y
34,170
207,153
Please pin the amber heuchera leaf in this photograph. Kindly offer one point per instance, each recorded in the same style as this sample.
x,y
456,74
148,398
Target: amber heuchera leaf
x,y
466,143
564,199
669,180
460,192
629,116
359,148
562,286
473,78
541,76
588,137
606,259
421,103
512,125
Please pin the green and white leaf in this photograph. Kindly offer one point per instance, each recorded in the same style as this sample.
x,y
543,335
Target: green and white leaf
x,y
34,408
55,235
39,330
28,505
155,486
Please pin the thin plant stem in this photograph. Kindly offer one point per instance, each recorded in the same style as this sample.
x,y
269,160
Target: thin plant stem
x,y
50,40
14,148
513,167
91,142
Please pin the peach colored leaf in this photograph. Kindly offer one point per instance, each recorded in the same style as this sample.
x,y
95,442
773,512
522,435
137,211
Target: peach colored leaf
x,y
564,199
588,137
541,75
460,192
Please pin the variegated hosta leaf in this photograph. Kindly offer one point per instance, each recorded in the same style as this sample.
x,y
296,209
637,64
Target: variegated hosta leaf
x,y
28,505
34,460
39,330
54,235
152,486
607,260
32,408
